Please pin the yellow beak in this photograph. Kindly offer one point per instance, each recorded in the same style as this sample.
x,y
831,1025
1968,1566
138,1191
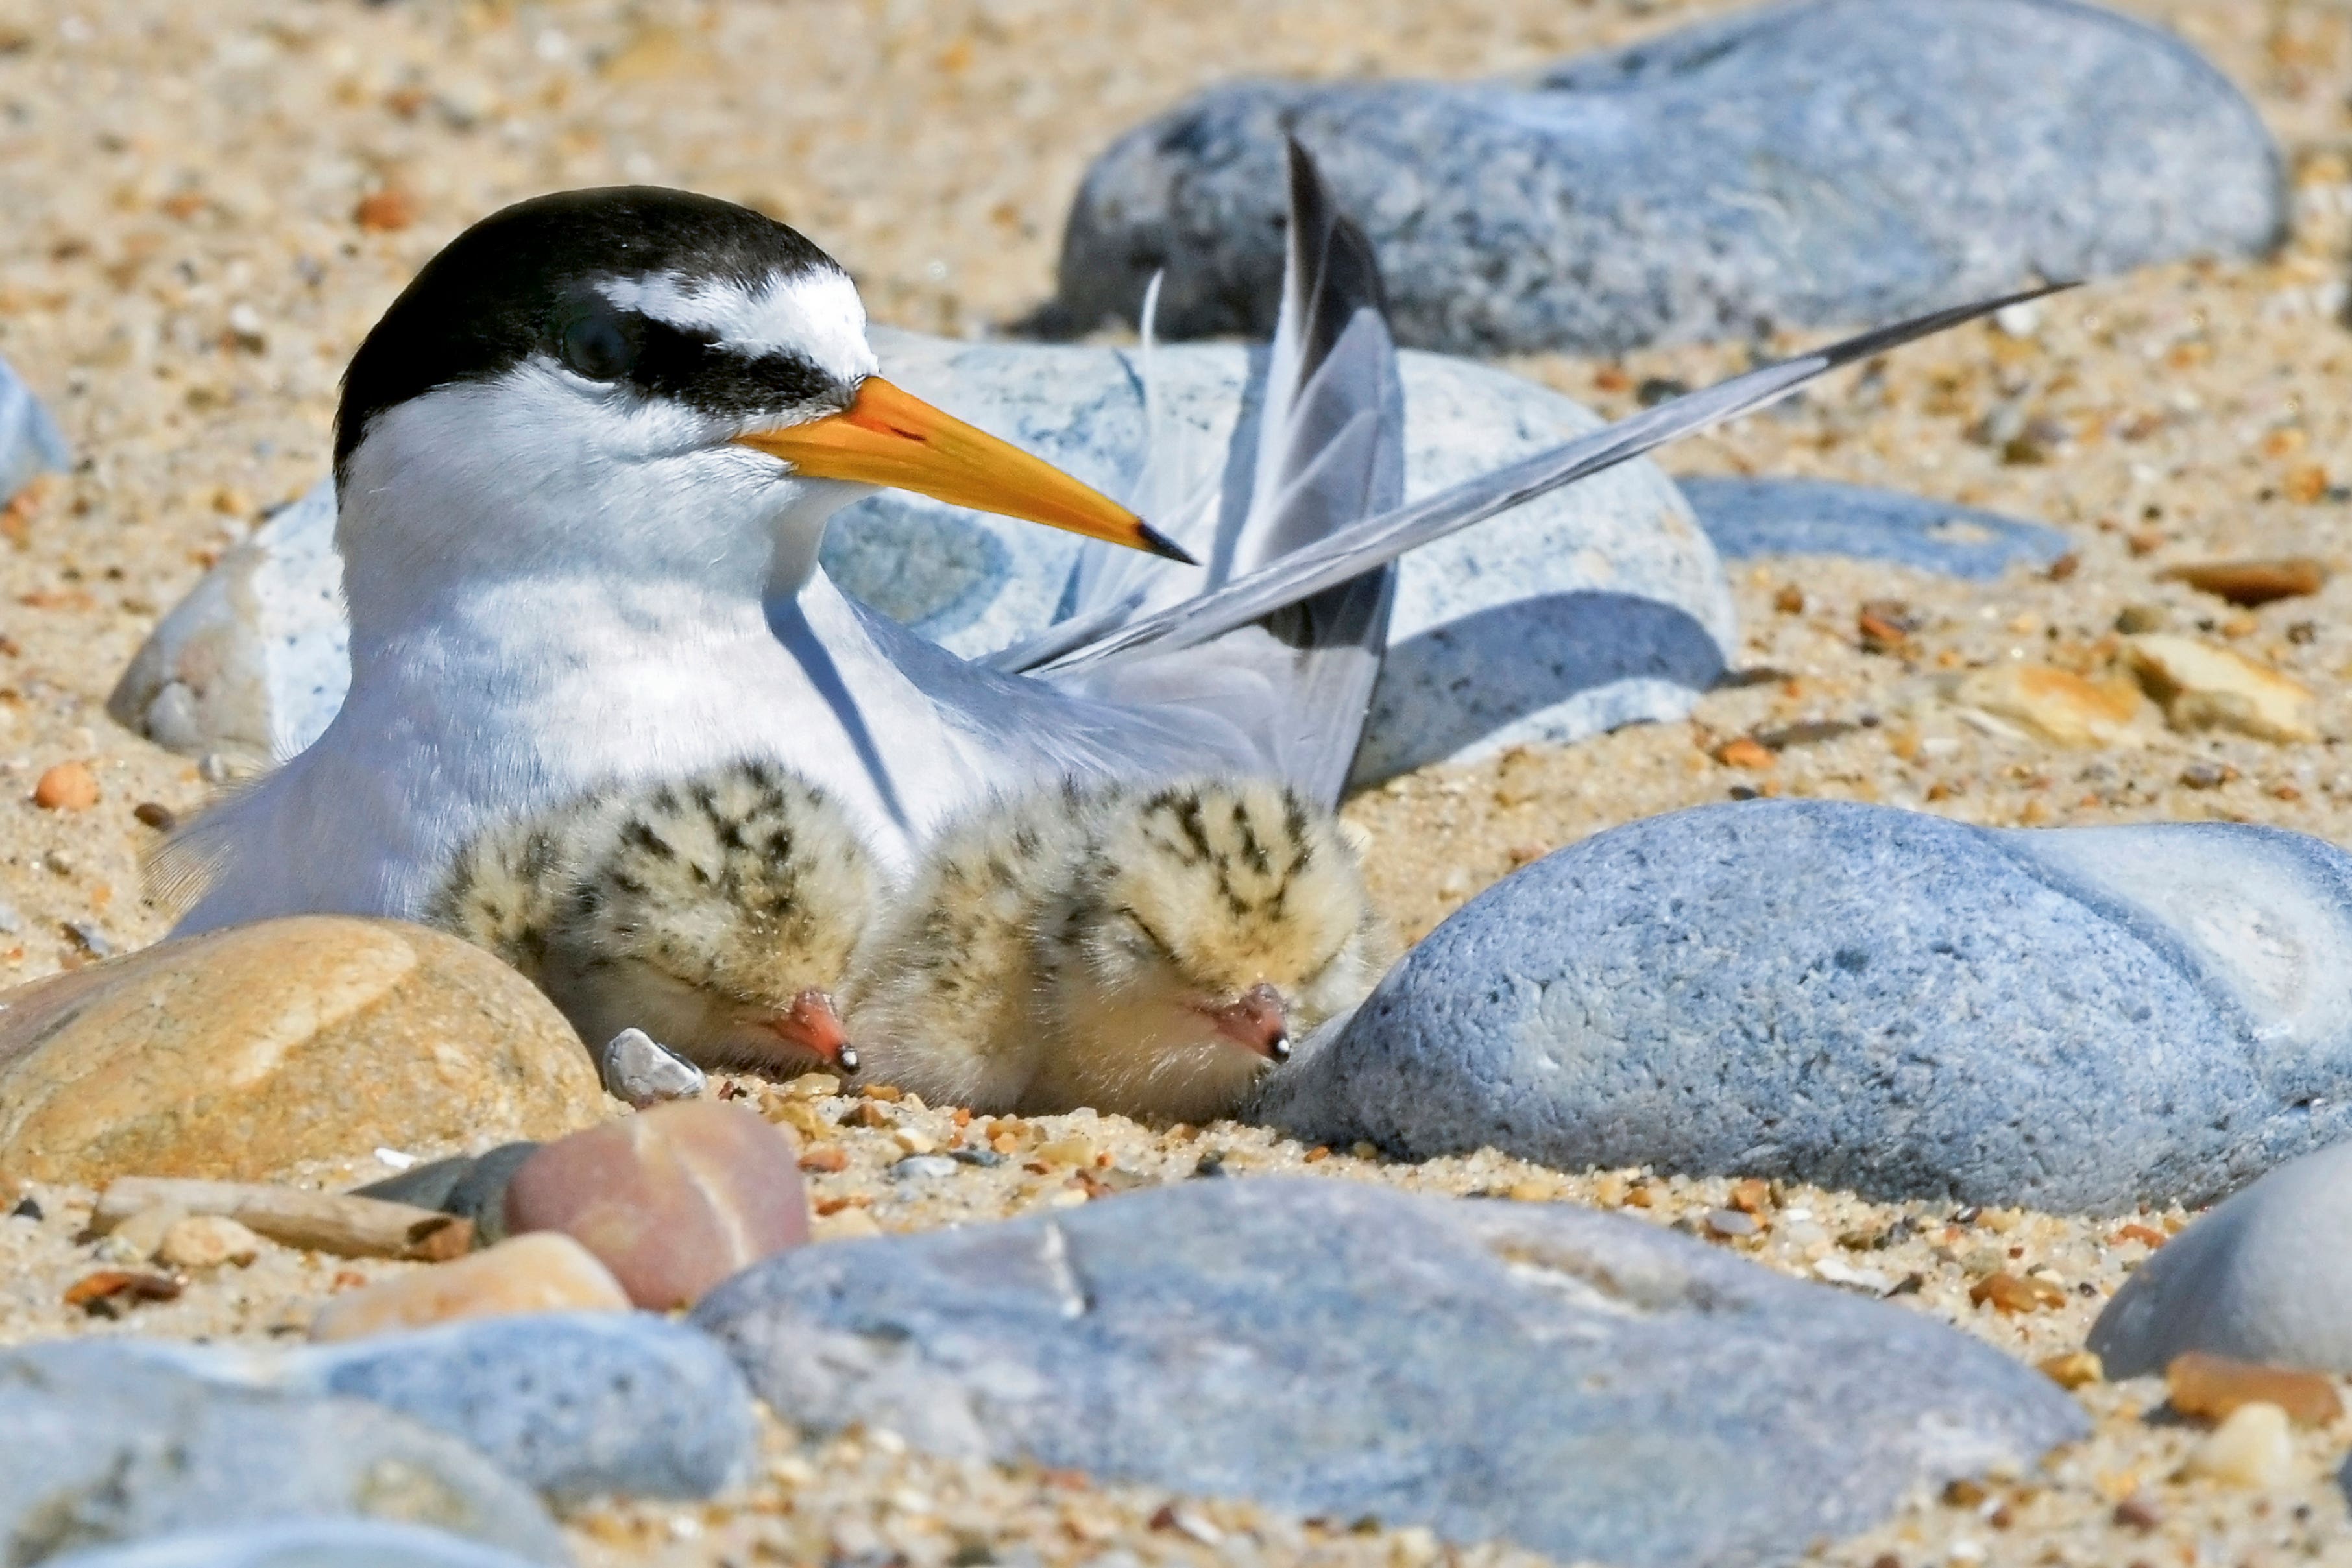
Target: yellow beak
x,y
886,436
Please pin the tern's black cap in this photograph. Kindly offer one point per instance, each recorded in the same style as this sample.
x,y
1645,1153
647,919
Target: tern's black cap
x,y
521,282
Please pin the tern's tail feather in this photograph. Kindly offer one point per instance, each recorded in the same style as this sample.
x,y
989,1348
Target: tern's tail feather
x,y
1330,452
1349,552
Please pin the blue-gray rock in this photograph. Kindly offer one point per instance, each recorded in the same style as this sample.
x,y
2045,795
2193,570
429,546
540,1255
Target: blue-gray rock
x,y
1837,160
105,1445
299,1543
2075,1018
29,442
471,1186
1748,518
572,1403
638,1069
2264,1277
1587,609
1586,1385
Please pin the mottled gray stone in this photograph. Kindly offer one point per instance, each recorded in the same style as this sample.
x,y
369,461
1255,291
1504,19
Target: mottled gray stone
x,y
29,442
1587,609
2266,1277
1748,518
299,1543
471,1186
1839,161
572,1403
1585,1385
106,1445
2077,1020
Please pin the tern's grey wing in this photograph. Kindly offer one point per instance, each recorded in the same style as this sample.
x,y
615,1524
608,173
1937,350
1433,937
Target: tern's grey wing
x,y
1330,452
1033,734
1349,552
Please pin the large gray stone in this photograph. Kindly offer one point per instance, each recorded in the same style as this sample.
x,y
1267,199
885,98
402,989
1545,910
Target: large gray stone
x,y
1749,517
1586,1385
1587,609
1837,160
574,1404
299,1543
2267,1276
2075,1018
103,1446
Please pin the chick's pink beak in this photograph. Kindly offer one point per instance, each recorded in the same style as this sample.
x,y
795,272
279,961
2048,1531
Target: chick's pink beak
x,y
811,1024
1257,1021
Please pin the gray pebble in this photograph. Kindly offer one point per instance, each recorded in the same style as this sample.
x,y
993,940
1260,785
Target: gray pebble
x,y
299,1543
2075,1019
572,1403
108,1445
1586,1386
29,442
1828,162
925,1167
638,1069
2264,1277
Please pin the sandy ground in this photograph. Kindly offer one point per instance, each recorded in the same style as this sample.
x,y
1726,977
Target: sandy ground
x,y
187,270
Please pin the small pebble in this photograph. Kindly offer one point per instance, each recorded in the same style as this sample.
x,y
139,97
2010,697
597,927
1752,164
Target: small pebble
x,y
924,1167
2213,1387
1732,1223
543,1273
208,1241
67,786
28,1209
90,937
139,1238
157,815
2253,1447
10,921
2073,1369
672,1199
640,1069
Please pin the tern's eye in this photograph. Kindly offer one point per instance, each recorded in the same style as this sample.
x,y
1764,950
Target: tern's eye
x,y
600,346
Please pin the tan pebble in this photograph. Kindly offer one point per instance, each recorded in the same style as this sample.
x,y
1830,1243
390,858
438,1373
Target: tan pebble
x,y
2073,1369
385,211
546,1271
243,1053
1746,752
2058,705
2202,687
814,1086
208,1241
2214,1386
67,786
139,1238
912,1141
2251,582
672,1200
1070,1151
2254,1448
2016,1293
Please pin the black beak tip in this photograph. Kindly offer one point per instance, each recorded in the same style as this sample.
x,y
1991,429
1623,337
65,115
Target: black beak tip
x,y
1280,1049
847,1059
1161,545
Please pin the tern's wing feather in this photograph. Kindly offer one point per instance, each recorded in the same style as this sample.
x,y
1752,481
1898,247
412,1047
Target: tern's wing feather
x,y
1352,550
1330,452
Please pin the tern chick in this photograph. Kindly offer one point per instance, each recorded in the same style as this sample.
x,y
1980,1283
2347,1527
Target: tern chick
x,y
717,913
1146,951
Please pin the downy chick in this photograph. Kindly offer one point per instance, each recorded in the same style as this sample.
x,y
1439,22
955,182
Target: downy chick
x,y
717,913
1150,951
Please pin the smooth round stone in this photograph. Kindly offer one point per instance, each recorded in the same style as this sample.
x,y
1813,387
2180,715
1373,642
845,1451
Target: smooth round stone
x,y
635,1068
1590,608
243,1053
1749,517
107,1443
299,1543
2076,1019
1837,161
2265,1277
672,1200
1588,1386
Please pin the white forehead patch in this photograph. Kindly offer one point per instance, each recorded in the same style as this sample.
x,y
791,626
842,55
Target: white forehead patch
x,y
816,315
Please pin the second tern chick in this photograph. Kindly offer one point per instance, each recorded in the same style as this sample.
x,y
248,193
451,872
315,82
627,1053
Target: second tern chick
x,y
717,913
1146,951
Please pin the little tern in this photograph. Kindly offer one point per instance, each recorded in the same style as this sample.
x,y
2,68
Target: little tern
x,y
579,453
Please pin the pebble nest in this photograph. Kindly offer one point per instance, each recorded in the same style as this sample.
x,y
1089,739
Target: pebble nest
x,y
210,205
